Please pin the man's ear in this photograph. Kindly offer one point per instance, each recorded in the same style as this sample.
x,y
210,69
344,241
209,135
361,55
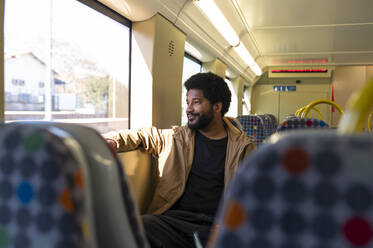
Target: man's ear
x,y
218,106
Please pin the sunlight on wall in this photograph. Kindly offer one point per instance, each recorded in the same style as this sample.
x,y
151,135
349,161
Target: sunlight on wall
x,y
141,89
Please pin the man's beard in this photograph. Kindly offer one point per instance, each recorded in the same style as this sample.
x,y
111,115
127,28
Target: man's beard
x,y
203,120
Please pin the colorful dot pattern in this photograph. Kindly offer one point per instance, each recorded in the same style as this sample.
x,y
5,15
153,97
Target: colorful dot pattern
x,y
300,192
258,127
294,122
270,123
41,202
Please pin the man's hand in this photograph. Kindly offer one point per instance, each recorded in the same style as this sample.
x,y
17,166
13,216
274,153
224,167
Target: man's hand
x,y
112,144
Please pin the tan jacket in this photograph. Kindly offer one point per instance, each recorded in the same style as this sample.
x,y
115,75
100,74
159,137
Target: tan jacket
x,y
174,148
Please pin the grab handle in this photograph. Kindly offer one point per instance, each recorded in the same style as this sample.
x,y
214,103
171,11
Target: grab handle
x,y
316,102
358,109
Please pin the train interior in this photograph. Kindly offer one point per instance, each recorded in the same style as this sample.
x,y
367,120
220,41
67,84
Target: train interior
x,y
296,65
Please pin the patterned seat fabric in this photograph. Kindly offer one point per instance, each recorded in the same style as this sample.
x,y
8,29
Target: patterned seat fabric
x,y
115,216
41,197
44,201
300,123
309,190
257,127
270,124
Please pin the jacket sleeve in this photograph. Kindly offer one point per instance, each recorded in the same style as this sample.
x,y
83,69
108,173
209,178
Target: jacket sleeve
x,y
150,139
248,150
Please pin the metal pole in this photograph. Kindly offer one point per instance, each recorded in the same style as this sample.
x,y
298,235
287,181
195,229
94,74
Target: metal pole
x,y
49,76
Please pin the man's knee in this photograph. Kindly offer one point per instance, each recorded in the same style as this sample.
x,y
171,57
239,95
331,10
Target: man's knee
x,y
162,233
151,226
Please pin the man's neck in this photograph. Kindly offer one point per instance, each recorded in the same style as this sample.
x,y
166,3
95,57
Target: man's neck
x,y
215,130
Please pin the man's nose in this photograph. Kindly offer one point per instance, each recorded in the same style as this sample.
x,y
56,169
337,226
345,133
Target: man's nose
x,y
189,108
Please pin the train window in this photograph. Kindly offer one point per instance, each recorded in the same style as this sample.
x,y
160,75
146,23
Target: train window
x,y
246,101
232,111
68,61
191,66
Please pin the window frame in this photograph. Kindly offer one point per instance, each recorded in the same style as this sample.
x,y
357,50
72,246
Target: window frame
x,y
193,59
103,9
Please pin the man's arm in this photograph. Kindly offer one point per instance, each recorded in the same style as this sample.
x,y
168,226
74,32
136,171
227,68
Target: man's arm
x,y
150,139
112,143
249,149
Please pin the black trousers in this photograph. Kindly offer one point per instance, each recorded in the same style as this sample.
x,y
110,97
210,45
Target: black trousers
x,y
175,228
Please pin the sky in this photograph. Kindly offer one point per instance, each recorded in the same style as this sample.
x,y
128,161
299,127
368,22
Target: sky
x,y
96,37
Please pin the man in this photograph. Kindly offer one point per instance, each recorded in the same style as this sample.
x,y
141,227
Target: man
x,y
196,163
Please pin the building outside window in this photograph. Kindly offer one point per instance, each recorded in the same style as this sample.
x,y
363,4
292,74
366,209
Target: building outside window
x,y
66,61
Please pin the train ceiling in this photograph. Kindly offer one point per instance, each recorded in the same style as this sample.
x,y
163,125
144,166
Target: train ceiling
x,y
277,33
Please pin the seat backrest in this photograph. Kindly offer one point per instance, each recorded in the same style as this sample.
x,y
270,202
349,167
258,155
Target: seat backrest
x,y
119,224
42,203
73,176
270,124
309,189
142,175
295,122
253,126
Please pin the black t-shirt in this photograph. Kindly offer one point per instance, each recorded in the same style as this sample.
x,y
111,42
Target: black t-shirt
x,y
206,179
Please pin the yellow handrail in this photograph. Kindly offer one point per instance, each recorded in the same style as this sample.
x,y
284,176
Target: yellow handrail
x,y
369,122
301,110
312,104
358,108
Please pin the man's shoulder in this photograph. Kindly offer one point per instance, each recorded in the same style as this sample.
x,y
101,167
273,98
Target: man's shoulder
x,y
181,131
242,139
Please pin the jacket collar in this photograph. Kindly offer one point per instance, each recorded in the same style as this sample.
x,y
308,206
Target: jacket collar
x,y
233,132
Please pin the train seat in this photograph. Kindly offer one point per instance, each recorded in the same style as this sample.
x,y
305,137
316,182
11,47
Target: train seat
x,y
60,186
270,124
304,189
257,127
142,175
294,122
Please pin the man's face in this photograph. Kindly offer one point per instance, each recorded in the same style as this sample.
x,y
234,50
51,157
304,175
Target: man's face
x,y
199,110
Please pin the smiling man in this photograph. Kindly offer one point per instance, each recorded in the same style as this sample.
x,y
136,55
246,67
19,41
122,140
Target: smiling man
x,y
197,162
